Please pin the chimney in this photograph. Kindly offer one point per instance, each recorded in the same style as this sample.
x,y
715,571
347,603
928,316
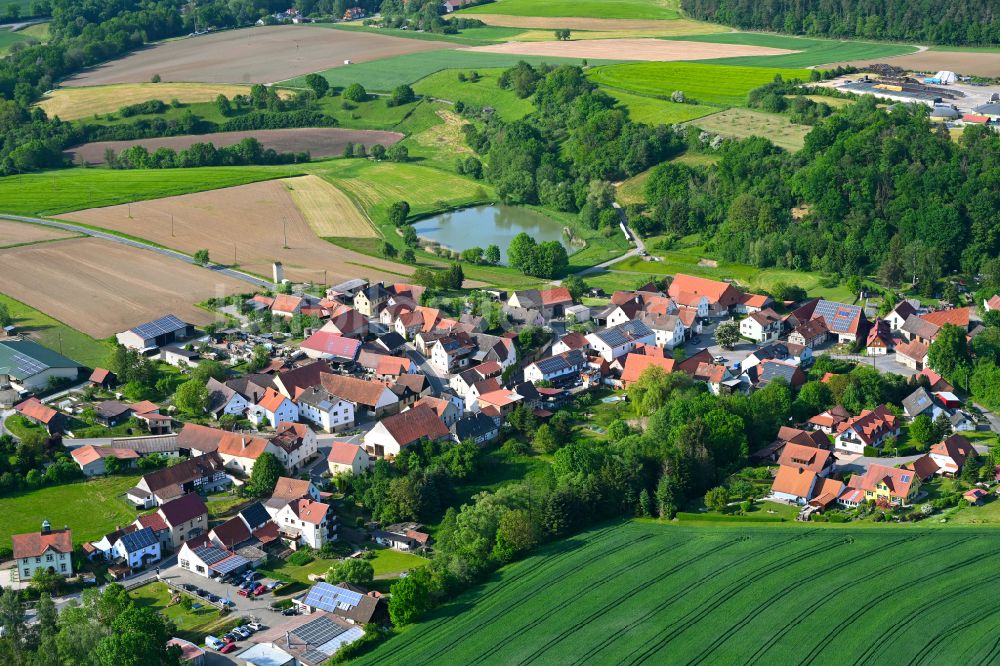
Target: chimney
x,y
243,443
46,527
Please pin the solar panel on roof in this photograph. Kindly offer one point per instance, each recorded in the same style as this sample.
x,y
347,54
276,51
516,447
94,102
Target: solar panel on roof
x,y
904,478
27,365
136,541
325,596
314,656
255,515
319,631
230,564
210,554
157,327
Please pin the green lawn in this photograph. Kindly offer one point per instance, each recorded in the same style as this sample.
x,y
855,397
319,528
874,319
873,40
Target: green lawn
x,y
601,9
656,111
484,92
63,190
387,73
710,84
21,427
644,592
54,334
388,562
8,38
812,51
192,625
742,123
90,508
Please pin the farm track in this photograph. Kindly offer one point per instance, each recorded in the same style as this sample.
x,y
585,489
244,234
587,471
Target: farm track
x,y
556,580
720,598
770,601
864,579
514,583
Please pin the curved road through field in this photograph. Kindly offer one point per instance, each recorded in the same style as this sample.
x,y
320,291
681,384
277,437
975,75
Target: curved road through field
x,y
173,254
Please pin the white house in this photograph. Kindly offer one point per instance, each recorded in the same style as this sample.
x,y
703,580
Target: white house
x,y
48,550
240,452
347,457
445,409
223,399
272,409
306,523
668,329
554,368
392,433
137,548
616,341
325,410
296,444
762,326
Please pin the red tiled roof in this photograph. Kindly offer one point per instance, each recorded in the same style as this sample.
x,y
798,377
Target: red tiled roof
x,y
409,426
153,521
33,408
975,118
555,296
326,342
956,447
392,365
870,425
288,488
898,480
353,389
688,290
242,446
795,481
310,511
755,300
958,316
924,467
90,453
796,455
99,375
271,401
343,453
231,532
635,364
914,349
36,543
286,303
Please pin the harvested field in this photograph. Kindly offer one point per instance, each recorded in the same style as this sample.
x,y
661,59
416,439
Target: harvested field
x,y
636,49
101,287
666,27
961,62
252,55
446,135
22,233
319,141
75,103
328,210
742,123
260,222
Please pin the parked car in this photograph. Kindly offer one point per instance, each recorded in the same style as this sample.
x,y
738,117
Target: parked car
x,y
247,628
289,611
246,585
256,626
243,592
230,638
200,592
189,587
252,575
260,589
213,642
241,632
227,648
214,598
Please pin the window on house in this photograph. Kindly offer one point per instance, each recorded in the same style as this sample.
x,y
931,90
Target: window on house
x,y
37,560
48,558
62,567
27,573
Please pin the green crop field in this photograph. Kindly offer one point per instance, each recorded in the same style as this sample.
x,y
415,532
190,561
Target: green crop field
x,y
709,84
601,9
56,335
52,192
484,92
656,111
387,73
90,508
812,51
649,593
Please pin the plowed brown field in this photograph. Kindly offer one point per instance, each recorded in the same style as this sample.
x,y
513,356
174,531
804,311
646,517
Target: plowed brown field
x,y
259,222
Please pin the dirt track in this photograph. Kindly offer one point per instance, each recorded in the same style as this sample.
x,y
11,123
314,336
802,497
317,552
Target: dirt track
x,y
260,221
632,49
253,55
960,62
100,287
319,141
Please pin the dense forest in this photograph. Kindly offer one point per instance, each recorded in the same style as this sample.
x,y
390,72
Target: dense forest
x,y
969,22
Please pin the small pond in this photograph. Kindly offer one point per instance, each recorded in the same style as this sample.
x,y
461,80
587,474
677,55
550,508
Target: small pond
x,y
483,226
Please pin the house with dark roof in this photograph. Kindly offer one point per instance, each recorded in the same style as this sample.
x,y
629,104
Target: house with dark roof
x,y
155,334
811,333
223,399
230,534
463,381
556,368
476,427
392,433
899,314
847,322
137,549
769,370
350,602
762,326
204,474
326,411
185,517
868,429
611,343
920,402
31,367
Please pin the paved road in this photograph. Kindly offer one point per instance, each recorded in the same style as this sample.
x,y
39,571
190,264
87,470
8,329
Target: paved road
x,y
437,381
173,254
639,248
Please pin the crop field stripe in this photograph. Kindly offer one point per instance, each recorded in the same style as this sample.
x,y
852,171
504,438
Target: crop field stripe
x,y
622,598
763,649
555,608
721,596
876,646
569,572
548,561
933,643
773,598
869,605
684,590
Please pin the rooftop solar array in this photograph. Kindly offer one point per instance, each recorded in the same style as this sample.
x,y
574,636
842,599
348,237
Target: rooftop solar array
x,y
157,327
136,541
838,316
255,515
26,365
230,564
327,597
348,636
210,554
320,631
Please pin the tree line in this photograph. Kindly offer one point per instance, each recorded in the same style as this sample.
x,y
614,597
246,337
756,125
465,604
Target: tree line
x,y
246,152
970,22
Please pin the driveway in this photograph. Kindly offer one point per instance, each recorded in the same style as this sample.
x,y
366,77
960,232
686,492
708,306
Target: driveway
x,y
259,609
438,381
887,363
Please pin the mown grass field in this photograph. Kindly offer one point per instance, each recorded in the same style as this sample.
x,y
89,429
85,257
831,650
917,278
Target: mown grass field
x,y
743,123
56,335
484,92
387,73
602,9
192,625
812,51
8,38
74,103
709,84
656,111
468,37
649,593
51,192
90,508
